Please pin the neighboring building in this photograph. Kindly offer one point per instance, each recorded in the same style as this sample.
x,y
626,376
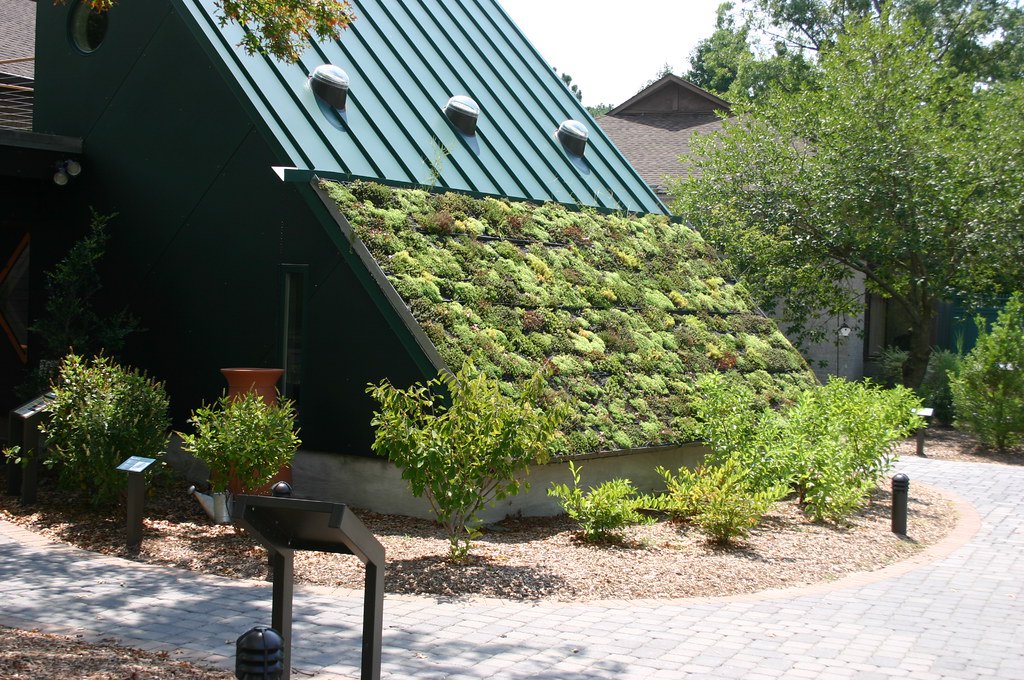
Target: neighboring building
x,y
17,48
35,228
653,130
234,251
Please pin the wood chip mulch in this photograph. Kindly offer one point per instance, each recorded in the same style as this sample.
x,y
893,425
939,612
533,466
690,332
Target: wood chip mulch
x,y
34,655
538,558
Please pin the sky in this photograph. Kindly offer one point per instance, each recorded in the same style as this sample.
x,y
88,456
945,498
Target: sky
x,y
611,49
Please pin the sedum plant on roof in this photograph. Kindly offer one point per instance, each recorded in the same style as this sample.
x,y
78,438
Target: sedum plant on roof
x,y
627,312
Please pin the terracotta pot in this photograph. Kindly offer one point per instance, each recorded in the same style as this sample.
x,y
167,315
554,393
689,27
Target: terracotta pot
x,y
263,382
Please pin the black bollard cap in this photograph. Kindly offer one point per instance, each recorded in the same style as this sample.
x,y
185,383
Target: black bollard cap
x,y
281,489
259,654
900,482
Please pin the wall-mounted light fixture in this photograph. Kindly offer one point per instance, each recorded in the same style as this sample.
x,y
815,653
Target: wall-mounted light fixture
x,y
844,331
65,170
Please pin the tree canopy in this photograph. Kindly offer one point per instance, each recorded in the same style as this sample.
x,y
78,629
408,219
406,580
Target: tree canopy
x,y
278,28
896,164
775,43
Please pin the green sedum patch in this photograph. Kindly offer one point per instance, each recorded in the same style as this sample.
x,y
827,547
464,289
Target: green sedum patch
x,y
627,312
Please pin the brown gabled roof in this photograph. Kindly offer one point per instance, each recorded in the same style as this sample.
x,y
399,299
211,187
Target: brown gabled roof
x,y
654,127
654,142
17,36
671,94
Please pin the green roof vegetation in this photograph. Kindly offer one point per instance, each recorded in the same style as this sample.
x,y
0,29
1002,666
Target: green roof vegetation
x,y
628,312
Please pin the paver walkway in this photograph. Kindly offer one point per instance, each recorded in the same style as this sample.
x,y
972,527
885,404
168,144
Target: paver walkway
x,y
961,616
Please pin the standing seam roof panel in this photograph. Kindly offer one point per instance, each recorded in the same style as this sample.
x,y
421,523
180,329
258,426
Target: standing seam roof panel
x,y
496,124
536,130
562,107
404,59
617,162
511,170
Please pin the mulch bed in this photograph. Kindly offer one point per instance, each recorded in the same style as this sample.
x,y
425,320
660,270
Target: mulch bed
x,y
521,558
537,558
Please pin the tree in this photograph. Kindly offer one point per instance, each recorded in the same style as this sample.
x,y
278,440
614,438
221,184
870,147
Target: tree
x,y
726,62
278,28
575,89
774,43
71,321
979,37
895,166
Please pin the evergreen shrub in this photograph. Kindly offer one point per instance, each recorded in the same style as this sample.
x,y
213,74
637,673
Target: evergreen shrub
x,y
101,414
988,391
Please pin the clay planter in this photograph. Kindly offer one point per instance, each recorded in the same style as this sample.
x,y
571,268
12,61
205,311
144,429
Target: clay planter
x,y
263,382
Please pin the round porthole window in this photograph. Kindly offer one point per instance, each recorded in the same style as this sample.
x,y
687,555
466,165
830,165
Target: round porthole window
x,y
88,26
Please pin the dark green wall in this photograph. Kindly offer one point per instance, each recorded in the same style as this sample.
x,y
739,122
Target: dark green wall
x,y
204,225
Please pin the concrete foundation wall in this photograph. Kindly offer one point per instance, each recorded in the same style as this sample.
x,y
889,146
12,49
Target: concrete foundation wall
x,y
376,484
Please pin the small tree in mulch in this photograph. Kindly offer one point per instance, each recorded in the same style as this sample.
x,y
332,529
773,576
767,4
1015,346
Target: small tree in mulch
x,y
464,444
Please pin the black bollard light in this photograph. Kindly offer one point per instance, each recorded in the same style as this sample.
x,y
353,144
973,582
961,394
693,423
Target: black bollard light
x,y
900,491
259,654
281,490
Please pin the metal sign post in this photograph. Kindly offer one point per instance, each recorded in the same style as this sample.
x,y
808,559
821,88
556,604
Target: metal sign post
x,y
927,414
135,496
24,432
285,525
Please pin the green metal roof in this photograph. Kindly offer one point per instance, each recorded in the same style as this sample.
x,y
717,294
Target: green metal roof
x,y
404,60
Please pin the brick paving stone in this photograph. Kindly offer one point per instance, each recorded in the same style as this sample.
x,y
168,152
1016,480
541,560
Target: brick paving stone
x,y
959,616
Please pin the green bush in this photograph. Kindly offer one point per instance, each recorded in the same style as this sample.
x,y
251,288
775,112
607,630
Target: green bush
x,y
604,509
890,365
243,437
720,499
101,414
935,390
831,447
736,423
840,440
462,443
988,392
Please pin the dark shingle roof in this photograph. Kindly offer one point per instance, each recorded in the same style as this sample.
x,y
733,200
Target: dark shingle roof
x,y
17,36
653,128
654,142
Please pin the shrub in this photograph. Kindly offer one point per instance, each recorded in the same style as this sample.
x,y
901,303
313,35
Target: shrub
x,y
736,423
70,321
462,443
935,390
719,499
840,440
890,365
101,414
988,392
604,509
831,447
244,438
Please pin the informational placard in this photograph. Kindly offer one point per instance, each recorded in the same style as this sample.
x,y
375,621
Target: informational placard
x,y
925,412
136,464
34,407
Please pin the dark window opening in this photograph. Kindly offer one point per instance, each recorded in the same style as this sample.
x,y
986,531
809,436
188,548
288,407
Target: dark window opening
x,y
14,299
88,26
294,326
